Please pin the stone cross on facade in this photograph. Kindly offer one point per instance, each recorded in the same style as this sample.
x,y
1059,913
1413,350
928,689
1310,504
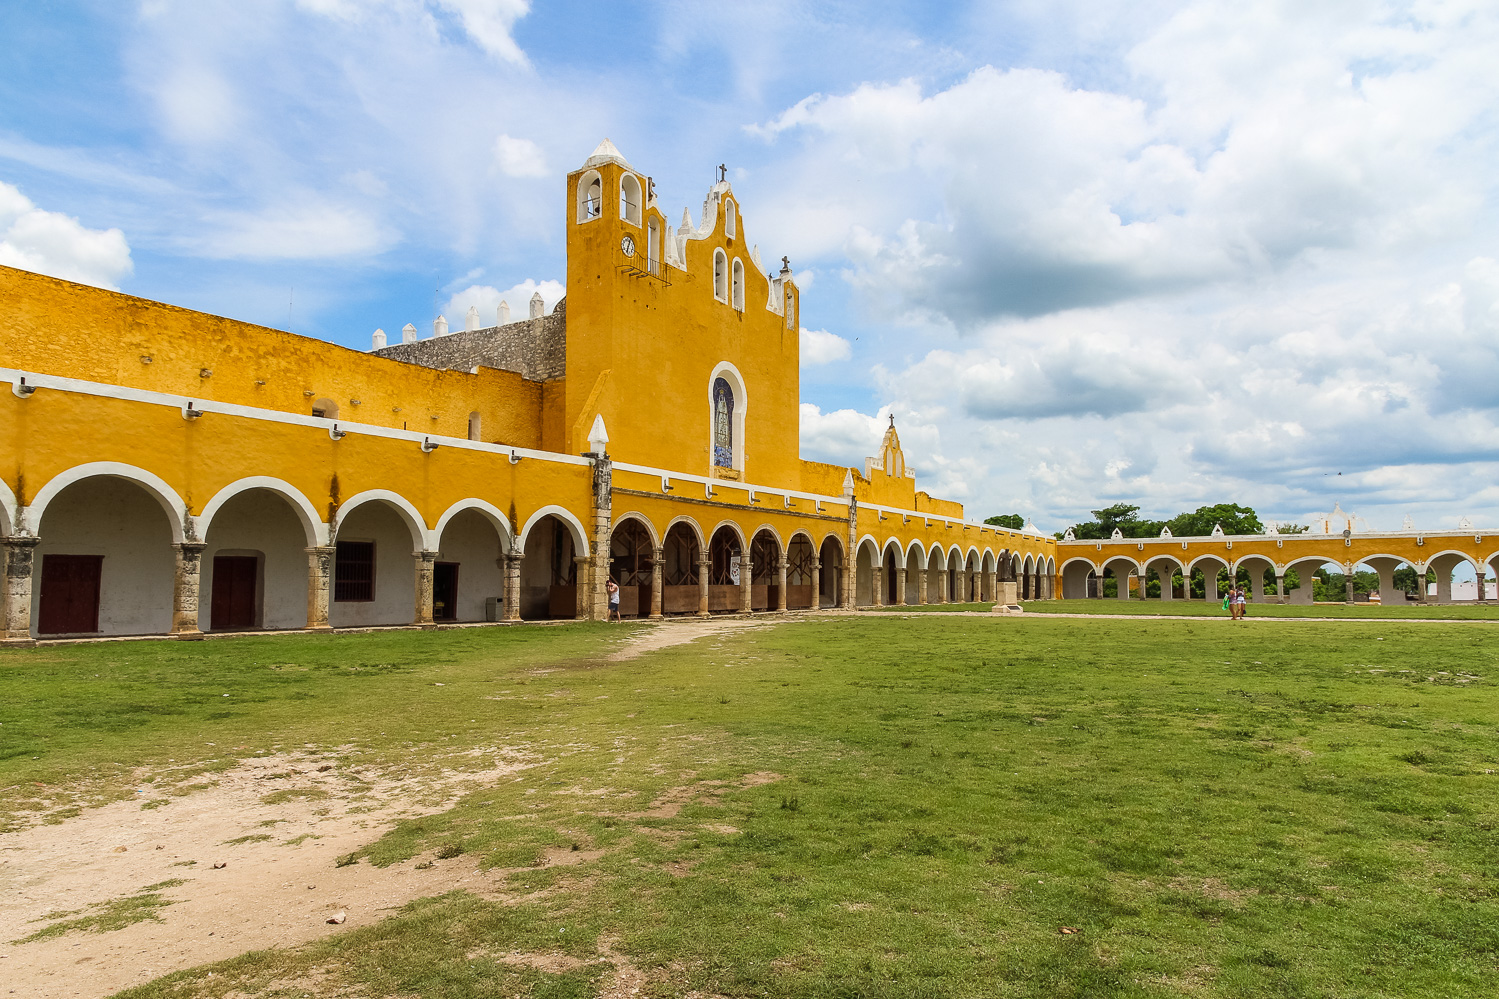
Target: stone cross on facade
x,y
723,172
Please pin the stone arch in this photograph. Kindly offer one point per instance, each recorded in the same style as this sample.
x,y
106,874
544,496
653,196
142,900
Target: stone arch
x,y
488,511
1122,568
727,548
899,551
691,525
1386,565
472,539
105,563
832,573
736,287
10,514
734,528
1443,563
721,276
403,507
866,566
1209,565
307,514
632,563
1166,567
153,484
801,552
1078,575
916,553
645,522
573,525
766,552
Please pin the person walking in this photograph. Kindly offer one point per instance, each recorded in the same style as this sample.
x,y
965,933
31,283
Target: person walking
x,y
613,589
1243,602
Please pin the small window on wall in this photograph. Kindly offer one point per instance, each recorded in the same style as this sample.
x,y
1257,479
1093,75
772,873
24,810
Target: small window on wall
x,y
653,248
790,310
354,571
474,422
728,219
720,276
738,297
629,199
325,409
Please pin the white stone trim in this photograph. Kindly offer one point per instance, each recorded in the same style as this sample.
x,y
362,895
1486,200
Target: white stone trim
x,y
580,535
492,513
780,541
421,538
729,373
697,530
312,525
10,514
734,527
182,527
636,515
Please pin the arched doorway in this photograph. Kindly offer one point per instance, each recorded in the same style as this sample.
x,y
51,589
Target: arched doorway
x,y
632,557
105,564
765,569
800,575
549,571
681,588
374,572
915,574
468,578
725,555
864,567
894,584
254,569
830,575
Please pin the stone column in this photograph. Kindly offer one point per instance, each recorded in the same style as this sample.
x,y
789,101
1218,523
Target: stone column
x,y
658,569
185,589
781,588
1478,568
816,584
1209,584
921,586
900,585
877,585
1280,586
1421,582
512,586
595,605
583,586
319,586
424,562
704,568
1164,575
845,590
746,591
1348,582
15,614
1122,581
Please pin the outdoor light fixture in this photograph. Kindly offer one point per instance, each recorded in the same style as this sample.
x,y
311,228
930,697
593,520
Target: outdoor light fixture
x,y
23,390
428,446
189,413
336,433
514,458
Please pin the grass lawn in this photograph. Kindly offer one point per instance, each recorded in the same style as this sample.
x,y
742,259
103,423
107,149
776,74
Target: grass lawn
x,y
1201,608
1304,810
982,607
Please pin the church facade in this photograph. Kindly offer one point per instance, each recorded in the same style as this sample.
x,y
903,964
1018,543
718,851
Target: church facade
x,y
164,471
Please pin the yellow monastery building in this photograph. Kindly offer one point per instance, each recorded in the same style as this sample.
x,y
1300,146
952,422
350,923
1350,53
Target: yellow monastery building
x,y
164,471
167,471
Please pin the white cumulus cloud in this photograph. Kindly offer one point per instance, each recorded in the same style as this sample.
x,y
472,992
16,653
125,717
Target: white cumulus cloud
x,y
307,229
56,244
487,298
822,347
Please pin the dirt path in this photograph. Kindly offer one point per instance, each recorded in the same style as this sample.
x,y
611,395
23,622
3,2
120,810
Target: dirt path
x,y
668,633
277,888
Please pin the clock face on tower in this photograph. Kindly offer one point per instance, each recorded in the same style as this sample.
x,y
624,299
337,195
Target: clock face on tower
x,y
628,246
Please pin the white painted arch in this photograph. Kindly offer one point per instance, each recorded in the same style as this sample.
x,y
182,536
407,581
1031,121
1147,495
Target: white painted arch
x,y
10,514
876,552
642,520
1078,559
421,538
496,517
729,373
312,524
574,527
917,552
164,494
780,542
900,561
734,529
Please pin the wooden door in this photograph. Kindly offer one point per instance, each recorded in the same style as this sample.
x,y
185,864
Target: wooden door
x,y
70,594
233,602
445,591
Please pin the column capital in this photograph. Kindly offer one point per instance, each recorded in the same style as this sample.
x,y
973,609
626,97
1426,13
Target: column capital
x,y
425,556
190,547
20,541
321,550
515,556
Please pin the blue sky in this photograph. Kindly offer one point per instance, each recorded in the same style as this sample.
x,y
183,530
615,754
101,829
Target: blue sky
x,y
1166,253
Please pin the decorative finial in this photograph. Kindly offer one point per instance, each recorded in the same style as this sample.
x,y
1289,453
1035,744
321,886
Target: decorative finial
x,y
723,173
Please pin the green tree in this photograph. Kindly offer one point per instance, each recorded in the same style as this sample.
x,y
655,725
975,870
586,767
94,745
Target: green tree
x,y
1011,520
1235,519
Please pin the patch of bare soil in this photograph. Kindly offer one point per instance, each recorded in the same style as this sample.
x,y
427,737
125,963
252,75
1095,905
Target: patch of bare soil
x,y
669,633
257,853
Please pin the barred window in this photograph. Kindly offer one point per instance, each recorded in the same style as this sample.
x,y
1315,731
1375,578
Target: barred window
x,y
354,571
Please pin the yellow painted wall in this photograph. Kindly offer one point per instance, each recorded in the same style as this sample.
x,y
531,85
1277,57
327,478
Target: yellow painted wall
x,y
58,327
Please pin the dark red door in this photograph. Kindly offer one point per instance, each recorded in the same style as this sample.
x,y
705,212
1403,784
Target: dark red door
x,y
70,594
234,578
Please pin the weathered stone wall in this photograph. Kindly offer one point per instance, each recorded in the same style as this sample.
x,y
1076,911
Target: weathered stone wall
x,y
535,349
